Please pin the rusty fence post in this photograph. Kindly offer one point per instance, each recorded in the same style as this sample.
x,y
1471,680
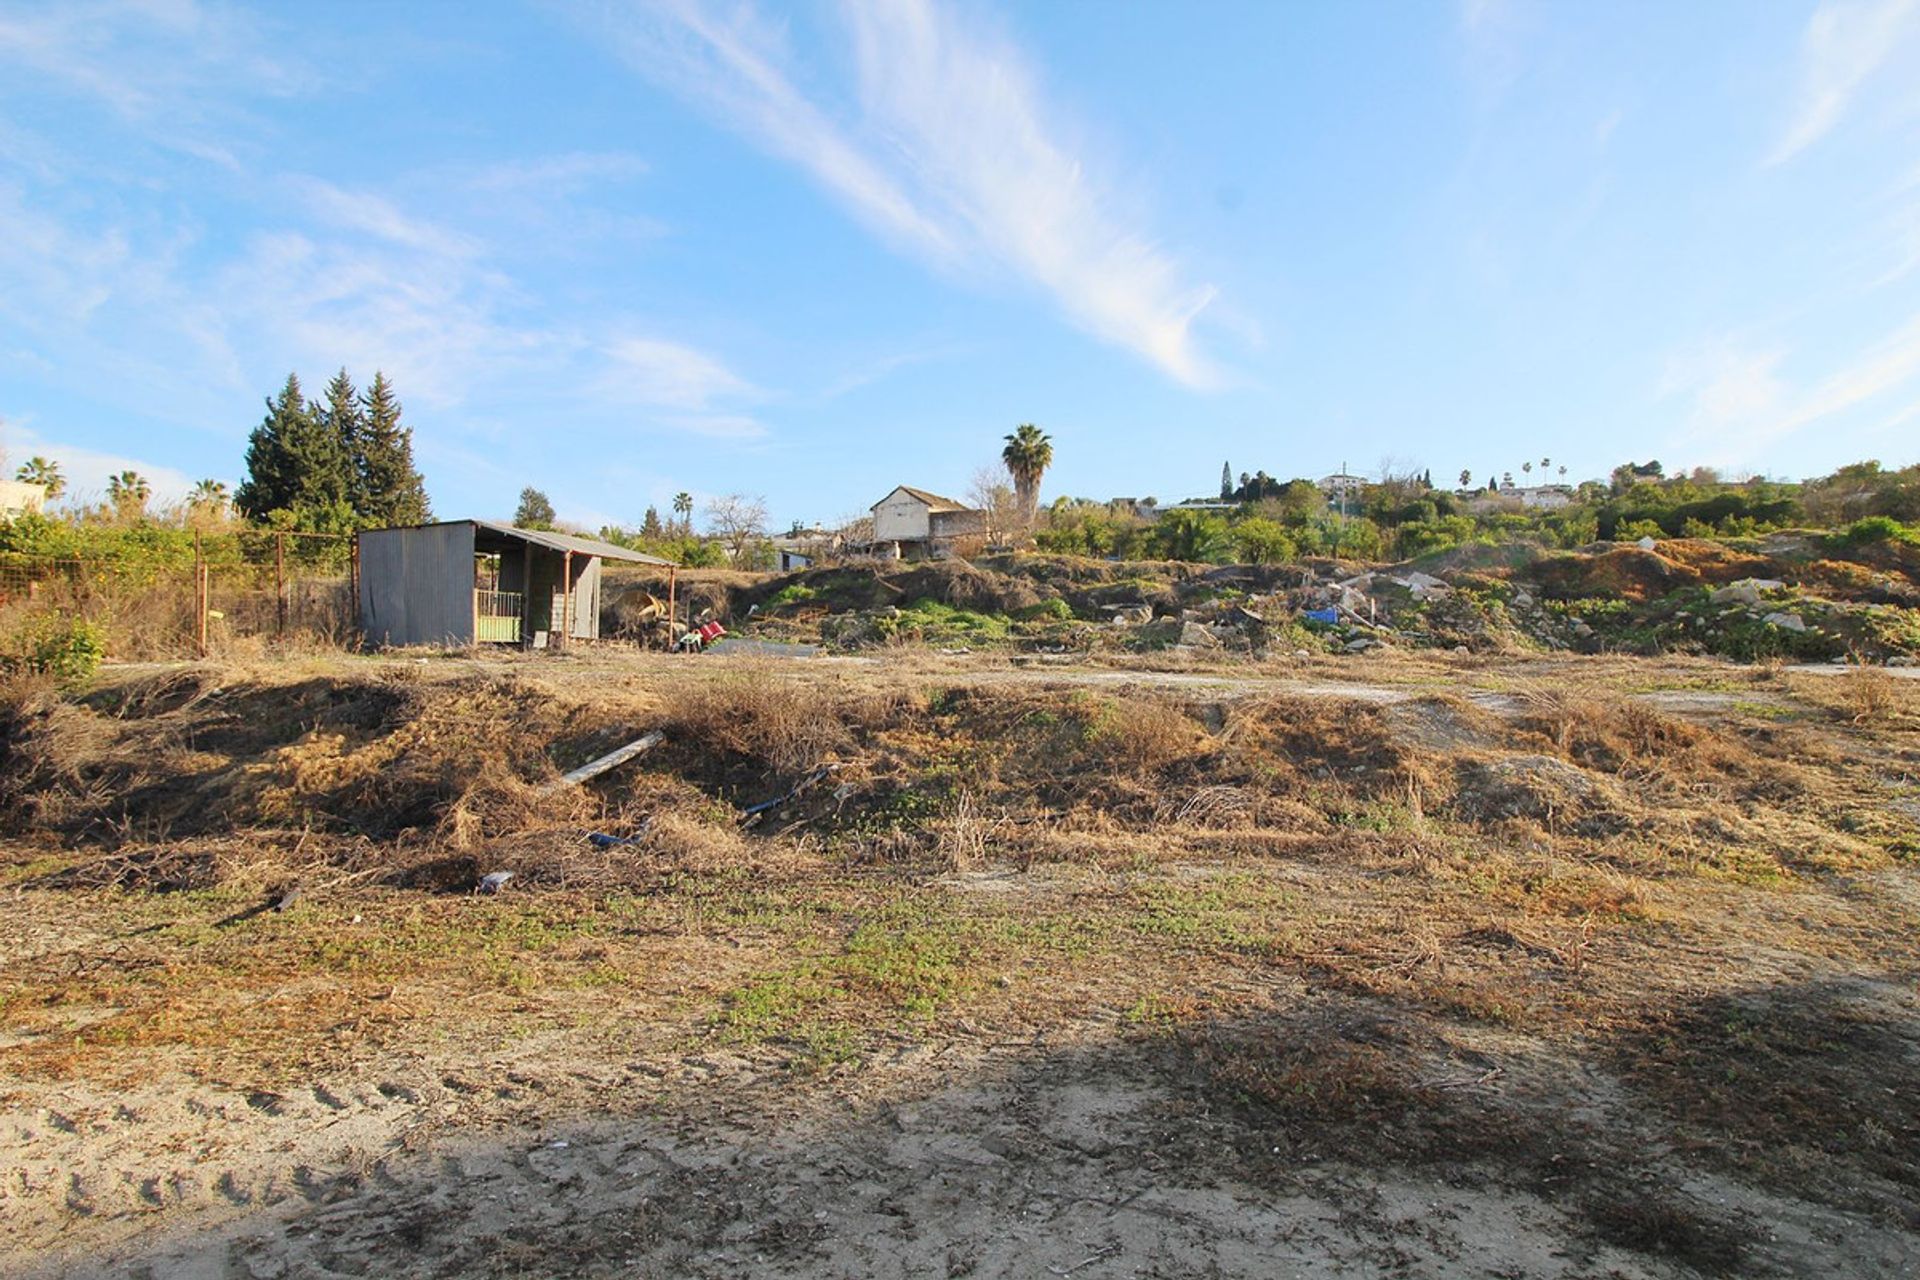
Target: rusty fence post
x,y
201,589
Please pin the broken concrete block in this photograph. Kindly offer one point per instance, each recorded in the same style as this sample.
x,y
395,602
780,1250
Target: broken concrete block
x,y
1172,631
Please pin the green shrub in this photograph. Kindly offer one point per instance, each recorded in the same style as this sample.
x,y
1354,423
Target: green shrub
x,y
1877,529
792,593
1054,610
1262,541
68,649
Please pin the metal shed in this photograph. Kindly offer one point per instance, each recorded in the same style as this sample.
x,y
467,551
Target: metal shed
x,y
467,582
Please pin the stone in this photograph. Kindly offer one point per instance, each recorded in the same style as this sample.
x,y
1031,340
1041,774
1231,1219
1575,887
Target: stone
x,y
1787,621
1164,632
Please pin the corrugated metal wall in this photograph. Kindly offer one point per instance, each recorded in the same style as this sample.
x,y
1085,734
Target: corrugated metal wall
x,y
586,599
416,585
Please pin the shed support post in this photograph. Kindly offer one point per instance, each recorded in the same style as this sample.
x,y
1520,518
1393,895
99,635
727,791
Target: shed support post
x,y
673,625
526,595
566,600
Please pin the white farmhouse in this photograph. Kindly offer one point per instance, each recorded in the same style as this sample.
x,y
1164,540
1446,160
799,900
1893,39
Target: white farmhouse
x,y
924,524
1544,497
1341,485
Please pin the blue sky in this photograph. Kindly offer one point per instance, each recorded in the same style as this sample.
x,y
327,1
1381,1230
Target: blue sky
x,y
811,251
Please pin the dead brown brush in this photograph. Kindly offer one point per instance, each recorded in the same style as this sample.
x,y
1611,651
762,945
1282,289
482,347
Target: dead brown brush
x,y
759,715
1865,695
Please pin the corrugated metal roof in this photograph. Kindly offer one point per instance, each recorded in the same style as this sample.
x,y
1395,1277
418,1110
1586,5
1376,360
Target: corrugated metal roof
x,y
570,542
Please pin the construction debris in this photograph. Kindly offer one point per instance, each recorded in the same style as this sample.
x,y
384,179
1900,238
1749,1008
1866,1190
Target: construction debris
x,y
594,768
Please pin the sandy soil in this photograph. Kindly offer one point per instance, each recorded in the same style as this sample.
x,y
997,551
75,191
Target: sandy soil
x,y
1088,1160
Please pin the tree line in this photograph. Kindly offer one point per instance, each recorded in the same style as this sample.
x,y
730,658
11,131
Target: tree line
x,y
333,465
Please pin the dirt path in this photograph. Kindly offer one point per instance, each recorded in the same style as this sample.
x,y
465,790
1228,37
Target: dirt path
x,y
1088,1161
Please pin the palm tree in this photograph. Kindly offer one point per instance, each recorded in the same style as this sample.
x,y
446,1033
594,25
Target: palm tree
x,y
208,494
44,472
1466,478
1028,454
129,492
1563,471
683,507
1527,467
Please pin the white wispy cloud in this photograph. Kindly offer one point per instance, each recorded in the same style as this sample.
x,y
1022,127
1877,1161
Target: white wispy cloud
x,y
559,173
1845,44
376,216
1740,406
988,188
653,371
167,67
702,394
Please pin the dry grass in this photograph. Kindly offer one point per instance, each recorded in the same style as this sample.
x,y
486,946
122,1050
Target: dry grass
x,y
1407,936
1864,695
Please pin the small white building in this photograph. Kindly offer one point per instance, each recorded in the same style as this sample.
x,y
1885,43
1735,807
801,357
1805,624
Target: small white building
x,y
1341,485
1544,497
803,548
924,524
18,498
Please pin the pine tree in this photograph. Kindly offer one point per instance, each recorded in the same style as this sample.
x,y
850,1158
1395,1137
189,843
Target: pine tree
x,y
650,526
339,416
269,484
390,490
1226,481
535,511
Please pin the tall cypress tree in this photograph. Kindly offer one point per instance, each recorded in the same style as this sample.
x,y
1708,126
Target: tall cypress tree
x,y
271,480
390,489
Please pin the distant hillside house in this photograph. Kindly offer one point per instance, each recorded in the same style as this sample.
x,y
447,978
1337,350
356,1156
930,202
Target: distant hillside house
x,y
924,525
18,498
1544,497
1340,484
802,548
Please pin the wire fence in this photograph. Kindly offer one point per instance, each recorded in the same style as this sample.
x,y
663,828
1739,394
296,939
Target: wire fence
x,y
226,591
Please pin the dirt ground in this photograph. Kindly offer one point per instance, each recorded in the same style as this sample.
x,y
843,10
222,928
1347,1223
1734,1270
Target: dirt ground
x,y
1422,966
